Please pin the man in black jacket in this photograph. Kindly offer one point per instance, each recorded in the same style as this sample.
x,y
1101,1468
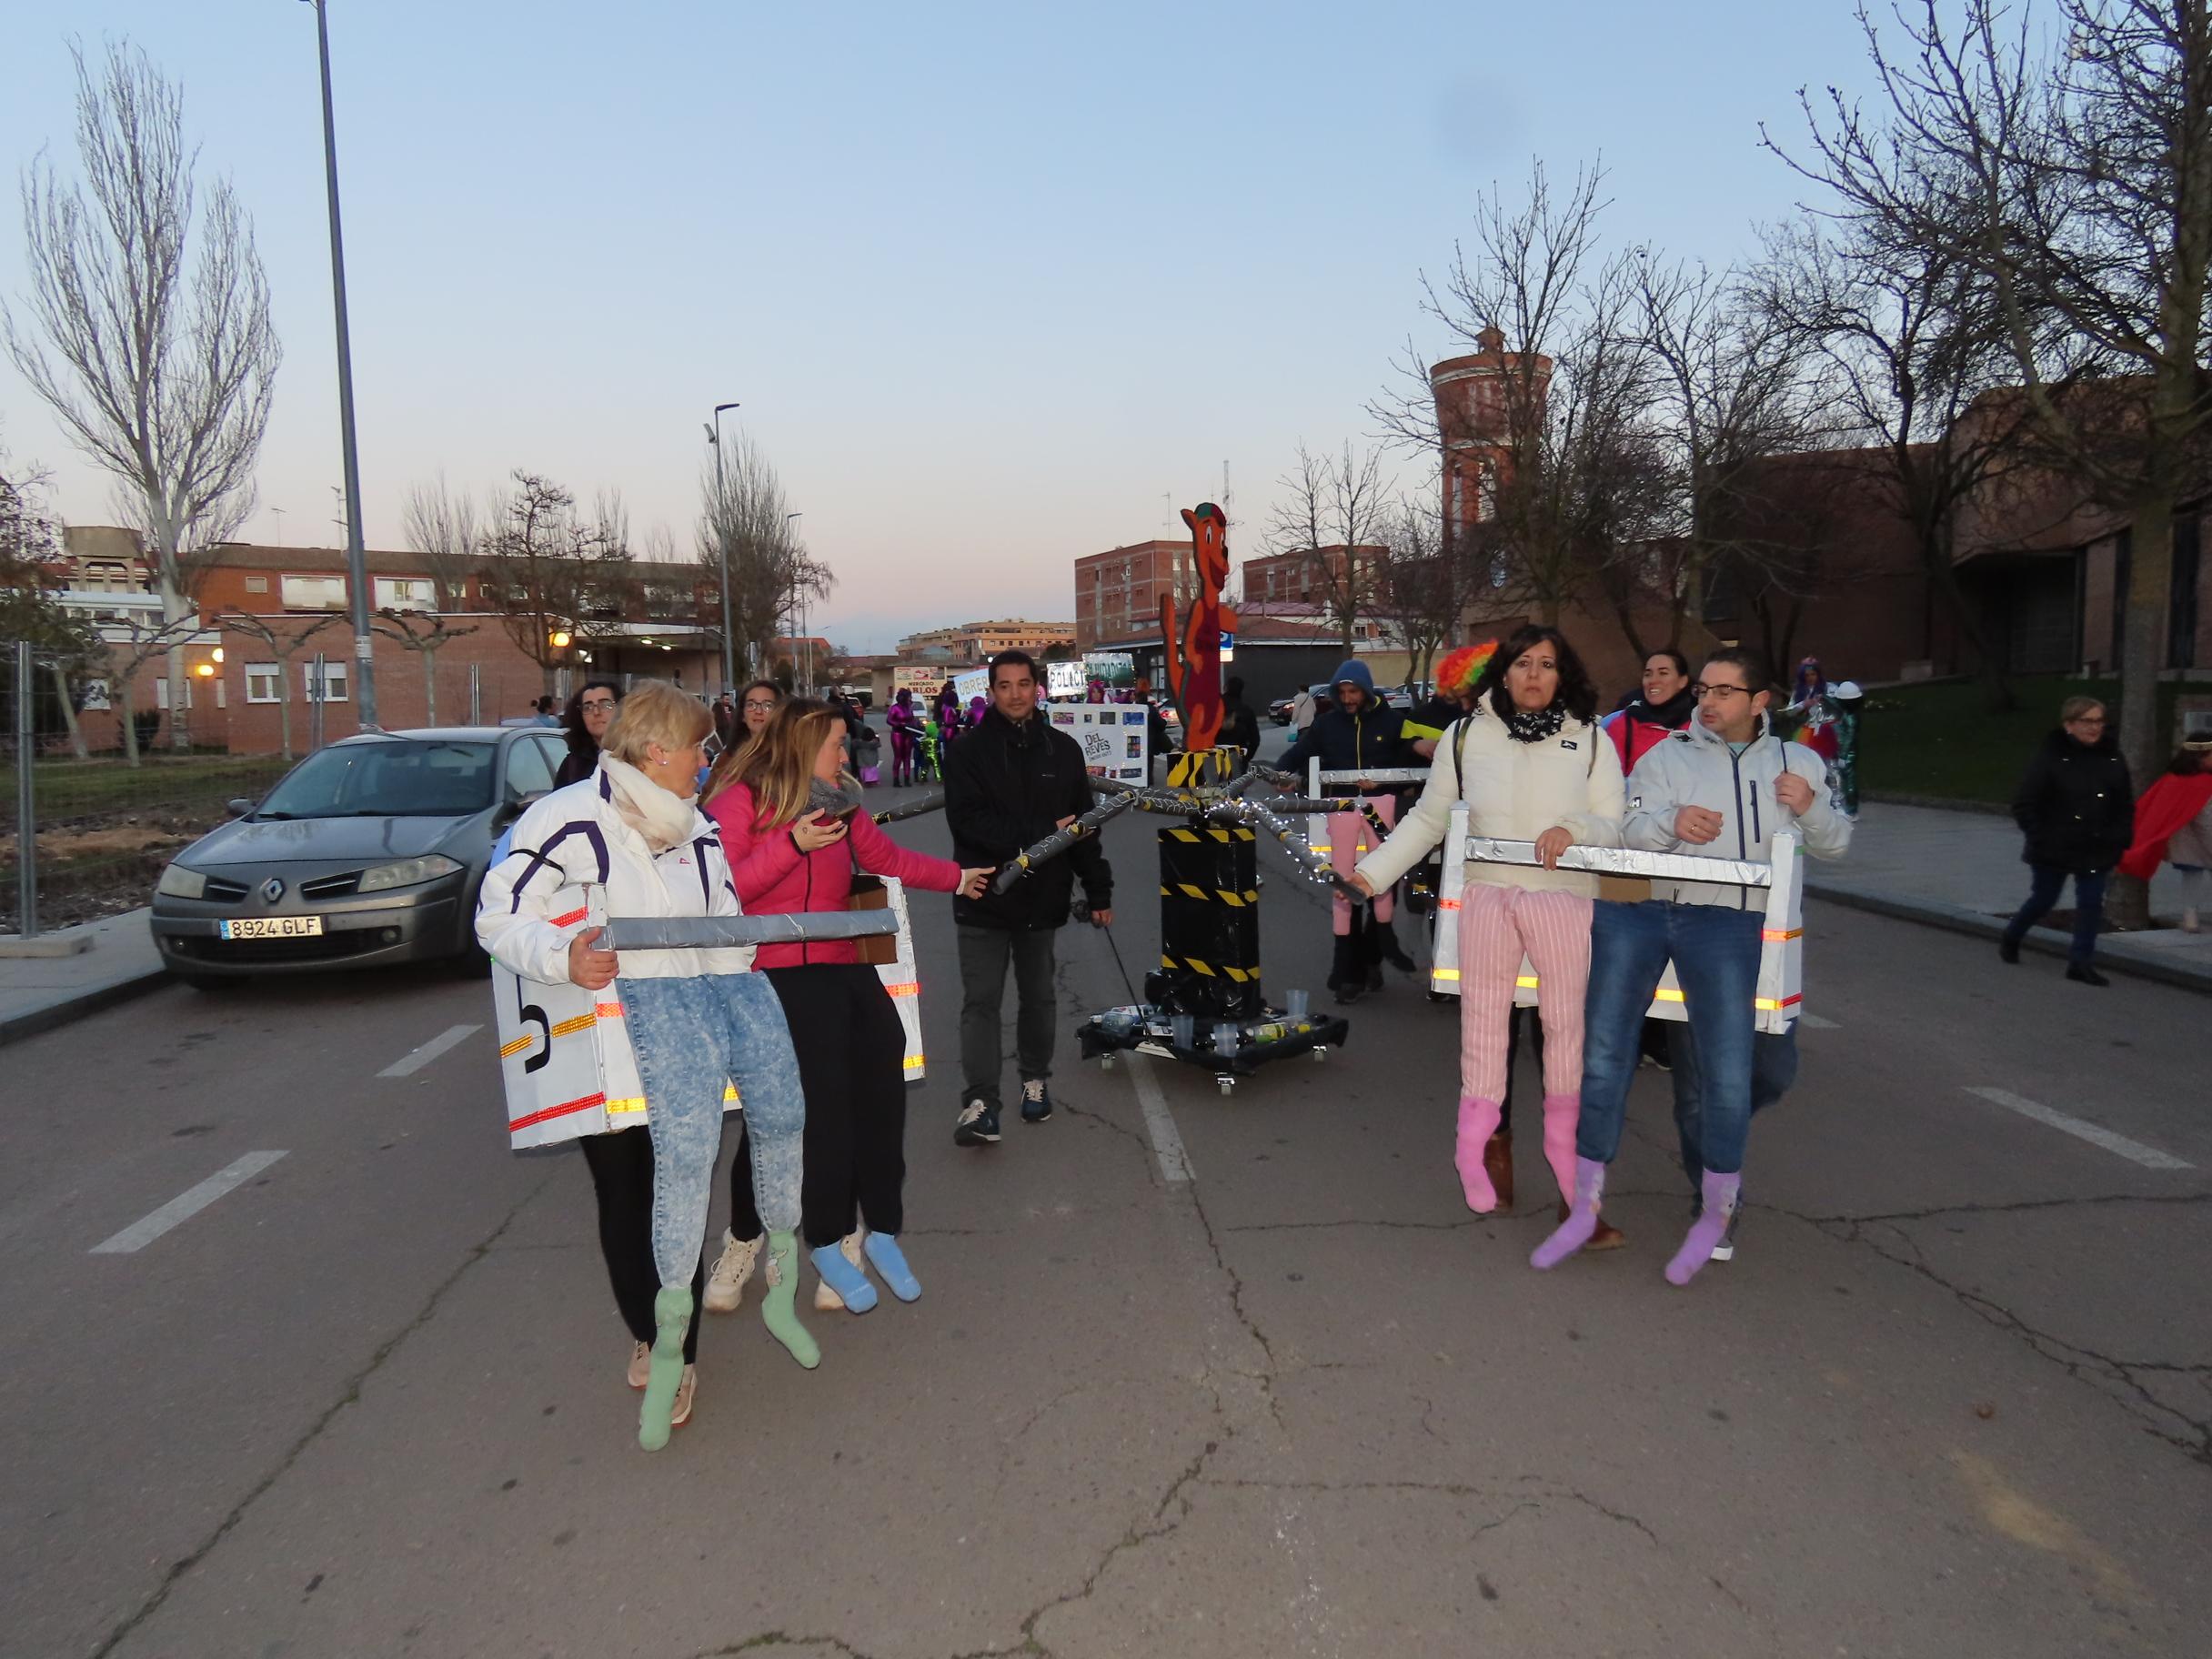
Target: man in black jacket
x,y
1009,783
2076,807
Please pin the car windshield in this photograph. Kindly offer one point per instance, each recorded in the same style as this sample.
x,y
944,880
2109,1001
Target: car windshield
x,y
392,778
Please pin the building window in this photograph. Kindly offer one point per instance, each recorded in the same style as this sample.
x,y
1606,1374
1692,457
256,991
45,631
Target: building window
x,y
264,682
257,584
314,593
333,680
406,593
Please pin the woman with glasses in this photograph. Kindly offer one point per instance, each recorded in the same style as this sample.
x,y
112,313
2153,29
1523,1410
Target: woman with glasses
x,y
755,709
1531,765
2076,807
585,722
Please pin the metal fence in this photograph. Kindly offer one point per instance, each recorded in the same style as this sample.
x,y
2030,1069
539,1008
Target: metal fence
x,y
88,837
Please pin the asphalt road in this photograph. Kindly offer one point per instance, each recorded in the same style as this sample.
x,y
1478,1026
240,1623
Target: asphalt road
x,y
1952,1396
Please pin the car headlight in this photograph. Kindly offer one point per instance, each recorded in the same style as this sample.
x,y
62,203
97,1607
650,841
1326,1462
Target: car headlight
x,y
407,872
178,882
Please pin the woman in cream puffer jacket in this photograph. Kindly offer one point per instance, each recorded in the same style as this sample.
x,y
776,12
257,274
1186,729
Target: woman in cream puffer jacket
x,y
1531,765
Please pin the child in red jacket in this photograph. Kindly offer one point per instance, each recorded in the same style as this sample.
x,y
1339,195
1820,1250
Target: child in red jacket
x,y
794,833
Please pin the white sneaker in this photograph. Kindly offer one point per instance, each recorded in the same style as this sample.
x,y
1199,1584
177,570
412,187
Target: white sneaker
x,y
732,1268
827,1301
641,1364
680,1413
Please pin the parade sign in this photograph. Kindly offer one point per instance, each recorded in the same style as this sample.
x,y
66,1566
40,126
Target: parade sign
x,y
1113,736
1064,680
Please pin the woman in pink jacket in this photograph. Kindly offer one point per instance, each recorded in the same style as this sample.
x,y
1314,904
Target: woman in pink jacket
x,y
794,831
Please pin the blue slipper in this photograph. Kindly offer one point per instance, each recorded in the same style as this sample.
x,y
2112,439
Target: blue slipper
x,y
883,1250
848,1281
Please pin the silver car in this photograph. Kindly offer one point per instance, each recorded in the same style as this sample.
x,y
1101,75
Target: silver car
x,y
369,851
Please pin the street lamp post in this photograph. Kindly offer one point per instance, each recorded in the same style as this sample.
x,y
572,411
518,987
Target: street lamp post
x,y
721,545
787,520
357,561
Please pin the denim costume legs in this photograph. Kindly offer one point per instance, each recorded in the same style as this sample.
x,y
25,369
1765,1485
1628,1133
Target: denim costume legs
x,y
1716,953
691,1037
2047,885
1774,1069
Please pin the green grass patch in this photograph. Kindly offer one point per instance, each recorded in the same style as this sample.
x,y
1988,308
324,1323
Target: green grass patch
x,y
191,785
1940,740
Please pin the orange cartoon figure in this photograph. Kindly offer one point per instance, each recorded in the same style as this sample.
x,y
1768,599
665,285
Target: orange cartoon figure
x,y
1194,651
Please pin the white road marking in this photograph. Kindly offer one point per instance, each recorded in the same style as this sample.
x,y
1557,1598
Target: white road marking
x,y
1167,1144
1813,1023
419,1058
2134,1151
184,1205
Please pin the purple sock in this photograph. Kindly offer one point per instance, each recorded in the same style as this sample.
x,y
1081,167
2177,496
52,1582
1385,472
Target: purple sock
x,y
1575,1233
1718,1194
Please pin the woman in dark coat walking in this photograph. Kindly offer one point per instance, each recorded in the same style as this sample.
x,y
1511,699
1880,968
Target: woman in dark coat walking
x,y
2077,807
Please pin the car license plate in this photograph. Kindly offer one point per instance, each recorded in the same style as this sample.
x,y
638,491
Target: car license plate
x,y
274,927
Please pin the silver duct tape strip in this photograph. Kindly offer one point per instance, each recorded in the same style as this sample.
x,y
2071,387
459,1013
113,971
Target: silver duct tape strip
x,y
1308,803
1627,861
1276,776
709,932
1381,774
1301,852
933,801
1059,841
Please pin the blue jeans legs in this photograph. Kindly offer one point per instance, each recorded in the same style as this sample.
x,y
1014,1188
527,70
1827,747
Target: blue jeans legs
x,y
1716,953
692,1037
2047,882
1774,1068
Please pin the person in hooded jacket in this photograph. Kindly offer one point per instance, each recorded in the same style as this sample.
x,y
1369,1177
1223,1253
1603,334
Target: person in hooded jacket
x,y
2077,809
1719,789
1009,783
1357,733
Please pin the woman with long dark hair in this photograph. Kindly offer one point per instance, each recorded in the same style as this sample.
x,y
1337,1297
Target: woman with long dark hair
x,y
795,834
584,722
1531,765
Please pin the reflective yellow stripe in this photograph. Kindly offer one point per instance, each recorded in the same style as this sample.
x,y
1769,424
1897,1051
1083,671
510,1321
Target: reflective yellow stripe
x,y
1668,996
580,1022
1445,973
1191,888
1322,847
1526,981
615,1109
509,1050
913,1062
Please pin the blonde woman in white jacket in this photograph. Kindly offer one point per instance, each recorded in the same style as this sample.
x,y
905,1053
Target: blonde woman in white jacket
x,y
1531,765
698,1019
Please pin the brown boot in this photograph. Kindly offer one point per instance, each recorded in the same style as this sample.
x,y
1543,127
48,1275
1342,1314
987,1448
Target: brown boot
x,y
1607,1237
1498,1164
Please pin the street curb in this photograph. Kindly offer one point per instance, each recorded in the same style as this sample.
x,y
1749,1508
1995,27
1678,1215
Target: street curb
x,y
70,1008
2046,942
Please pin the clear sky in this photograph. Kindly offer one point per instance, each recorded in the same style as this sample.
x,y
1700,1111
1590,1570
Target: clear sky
x,y
992,282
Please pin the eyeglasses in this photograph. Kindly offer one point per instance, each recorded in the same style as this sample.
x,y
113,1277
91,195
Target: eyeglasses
x,y
753,706
2088,720
599,705
1702,690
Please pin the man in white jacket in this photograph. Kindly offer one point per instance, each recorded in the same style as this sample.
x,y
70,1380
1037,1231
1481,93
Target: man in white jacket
x,y
1719,790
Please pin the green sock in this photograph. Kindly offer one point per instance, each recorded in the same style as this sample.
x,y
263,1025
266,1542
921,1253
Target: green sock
x,y
671,1320
778,1308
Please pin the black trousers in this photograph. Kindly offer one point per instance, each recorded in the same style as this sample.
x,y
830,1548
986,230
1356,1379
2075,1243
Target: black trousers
x,y
985,954
852,1053
622,1167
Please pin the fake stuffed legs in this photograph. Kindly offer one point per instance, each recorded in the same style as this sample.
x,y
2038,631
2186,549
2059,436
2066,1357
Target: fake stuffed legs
x,y
691,1036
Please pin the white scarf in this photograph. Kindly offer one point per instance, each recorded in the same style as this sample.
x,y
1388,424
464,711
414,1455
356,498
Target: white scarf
x,y
663,817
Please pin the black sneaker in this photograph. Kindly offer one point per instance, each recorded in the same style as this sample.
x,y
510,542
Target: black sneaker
x,y
2081,973
1036,1101
2009,950
978,1125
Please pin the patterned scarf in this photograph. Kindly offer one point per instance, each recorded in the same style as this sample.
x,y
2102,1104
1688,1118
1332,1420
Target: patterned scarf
x,y
1525,726
662,817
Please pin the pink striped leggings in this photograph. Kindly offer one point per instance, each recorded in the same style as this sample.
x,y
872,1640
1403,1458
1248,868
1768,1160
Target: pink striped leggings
x,y
1351,838
1497,926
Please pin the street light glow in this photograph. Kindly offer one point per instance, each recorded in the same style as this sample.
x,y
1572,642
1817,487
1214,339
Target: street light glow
x,y
559,638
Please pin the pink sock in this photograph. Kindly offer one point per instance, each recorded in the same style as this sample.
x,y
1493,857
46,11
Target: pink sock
x,y
1478,1120
1718,1193
1575,1233
1561,1113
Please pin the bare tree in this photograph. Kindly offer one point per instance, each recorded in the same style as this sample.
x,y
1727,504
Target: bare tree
x,y
1428,583
2071,169
158,364
63,644
447,531
746,520
125,659
1332,511
423,633
283,647
554,573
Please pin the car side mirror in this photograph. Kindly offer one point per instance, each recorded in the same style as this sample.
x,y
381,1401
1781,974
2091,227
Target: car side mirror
x,y
239,805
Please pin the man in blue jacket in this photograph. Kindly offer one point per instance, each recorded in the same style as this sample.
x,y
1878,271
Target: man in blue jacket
x,y
1357,733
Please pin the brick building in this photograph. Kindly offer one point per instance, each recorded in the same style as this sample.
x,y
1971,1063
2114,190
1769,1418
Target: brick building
x,y
1311,576
264,613
974,642
1118,592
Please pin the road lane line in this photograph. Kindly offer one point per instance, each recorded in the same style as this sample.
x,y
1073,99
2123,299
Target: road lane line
x,y
2134,1151
1167,1144
184,1205
1815,1022
416,1059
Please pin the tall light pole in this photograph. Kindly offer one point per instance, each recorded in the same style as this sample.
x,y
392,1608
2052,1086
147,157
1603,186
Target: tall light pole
x,y
356,560
721,545
791,540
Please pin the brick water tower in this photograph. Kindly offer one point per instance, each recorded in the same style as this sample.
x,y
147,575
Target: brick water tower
x,y
1475,398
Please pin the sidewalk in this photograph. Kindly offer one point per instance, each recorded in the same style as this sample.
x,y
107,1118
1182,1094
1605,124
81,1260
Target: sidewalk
x,y
38,993
1961,870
